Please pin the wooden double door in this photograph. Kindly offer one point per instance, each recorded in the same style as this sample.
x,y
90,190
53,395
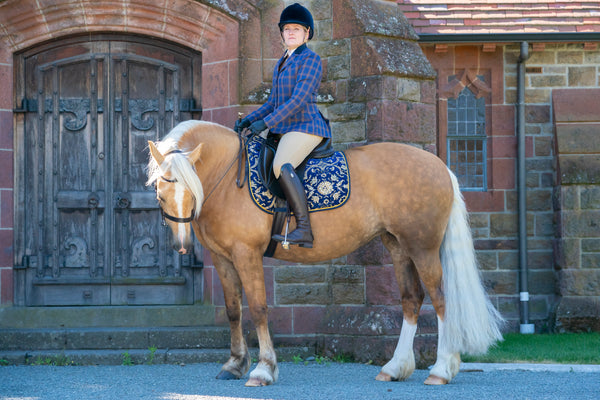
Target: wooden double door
x,y
88,230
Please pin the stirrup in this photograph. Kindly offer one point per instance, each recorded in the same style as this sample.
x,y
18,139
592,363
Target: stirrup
x,y
285,243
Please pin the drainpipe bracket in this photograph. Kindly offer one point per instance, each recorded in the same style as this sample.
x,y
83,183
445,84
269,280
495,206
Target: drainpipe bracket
x,y
527,329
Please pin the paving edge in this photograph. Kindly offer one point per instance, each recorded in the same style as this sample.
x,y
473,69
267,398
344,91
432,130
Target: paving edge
x,y
138,356
486,367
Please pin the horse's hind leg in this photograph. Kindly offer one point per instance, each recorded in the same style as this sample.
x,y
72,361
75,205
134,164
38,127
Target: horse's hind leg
x,y
447,364
402,364
239,361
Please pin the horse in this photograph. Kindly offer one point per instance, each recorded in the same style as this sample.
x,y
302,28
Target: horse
x,y
402,194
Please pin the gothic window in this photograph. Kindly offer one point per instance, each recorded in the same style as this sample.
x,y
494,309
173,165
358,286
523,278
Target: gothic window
x,y
466,138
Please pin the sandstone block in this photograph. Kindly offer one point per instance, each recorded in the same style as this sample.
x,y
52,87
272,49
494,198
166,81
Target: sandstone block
x,y
579,169
579,282
302,294
582,76
300,274
578,314
578,138
583,224
348,293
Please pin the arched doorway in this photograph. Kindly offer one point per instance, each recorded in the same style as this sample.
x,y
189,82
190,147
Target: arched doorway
x,y
87,230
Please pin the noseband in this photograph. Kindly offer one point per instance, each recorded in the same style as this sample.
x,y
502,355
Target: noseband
x,y
175,219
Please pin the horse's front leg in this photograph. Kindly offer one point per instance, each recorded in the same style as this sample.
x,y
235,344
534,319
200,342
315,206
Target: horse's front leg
x,y
248,263
239,361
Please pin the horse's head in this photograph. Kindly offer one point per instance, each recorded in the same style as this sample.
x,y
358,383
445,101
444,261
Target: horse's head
x,y
178,190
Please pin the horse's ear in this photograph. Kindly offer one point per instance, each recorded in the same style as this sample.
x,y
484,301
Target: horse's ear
x,y
195,154
159,158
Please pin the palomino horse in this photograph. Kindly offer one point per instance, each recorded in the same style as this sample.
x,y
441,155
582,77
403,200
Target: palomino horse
x,y
400,193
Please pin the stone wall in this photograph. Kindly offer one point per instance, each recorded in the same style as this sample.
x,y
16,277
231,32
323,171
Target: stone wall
x,y
377,85
577,204
494,216
553,70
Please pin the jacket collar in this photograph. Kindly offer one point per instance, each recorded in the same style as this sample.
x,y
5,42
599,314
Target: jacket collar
x,y
298,49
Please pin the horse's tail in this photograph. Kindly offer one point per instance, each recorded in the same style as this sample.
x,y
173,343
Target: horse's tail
x,y
471,323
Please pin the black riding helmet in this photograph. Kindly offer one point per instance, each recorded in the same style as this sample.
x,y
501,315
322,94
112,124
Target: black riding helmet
x,y
297,14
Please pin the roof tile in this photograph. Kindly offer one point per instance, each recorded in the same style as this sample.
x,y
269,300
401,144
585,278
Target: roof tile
x,y
502,16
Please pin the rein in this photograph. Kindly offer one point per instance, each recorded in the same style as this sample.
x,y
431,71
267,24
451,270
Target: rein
x,y
243,142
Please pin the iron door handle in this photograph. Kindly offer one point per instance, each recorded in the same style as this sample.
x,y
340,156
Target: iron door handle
x,y
93,201
123,200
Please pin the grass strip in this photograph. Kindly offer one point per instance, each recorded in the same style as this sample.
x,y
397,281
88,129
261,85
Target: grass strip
x,y
564,348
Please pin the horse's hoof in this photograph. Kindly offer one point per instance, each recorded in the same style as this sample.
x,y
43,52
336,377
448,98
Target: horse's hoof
x,y
383,377
435,380
226,376
256,382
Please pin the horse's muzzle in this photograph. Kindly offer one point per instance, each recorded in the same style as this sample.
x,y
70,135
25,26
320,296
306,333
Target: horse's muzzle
x,y
182,248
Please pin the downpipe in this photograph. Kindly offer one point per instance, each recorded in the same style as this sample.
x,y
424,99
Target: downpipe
x,y
525,326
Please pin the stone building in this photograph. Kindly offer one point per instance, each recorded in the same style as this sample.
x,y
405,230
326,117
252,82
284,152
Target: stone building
x,y
477,49
86,83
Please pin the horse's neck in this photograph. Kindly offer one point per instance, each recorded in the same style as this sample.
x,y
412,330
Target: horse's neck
x,y
218,159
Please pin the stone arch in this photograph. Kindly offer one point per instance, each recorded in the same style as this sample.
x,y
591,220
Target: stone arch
x,y
465,79
217,29
190,23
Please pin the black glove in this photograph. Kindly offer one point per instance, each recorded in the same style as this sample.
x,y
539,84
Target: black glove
x,y
241,124
257,127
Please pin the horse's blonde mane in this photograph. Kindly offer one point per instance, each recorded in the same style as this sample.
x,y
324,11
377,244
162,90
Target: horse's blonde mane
x,y
177,163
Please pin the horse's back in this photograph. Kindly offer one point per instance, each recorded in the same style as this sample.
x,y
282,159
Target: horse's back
x,y
396,163
394,188
405,185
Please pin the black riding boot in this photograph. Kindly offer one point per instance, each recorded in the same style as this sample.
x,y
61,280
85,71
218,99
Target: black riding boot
x,y
294,193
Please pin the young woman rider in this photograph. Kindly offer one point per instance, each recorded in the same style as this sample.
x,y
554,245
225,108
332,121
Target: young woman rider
x,y
291,112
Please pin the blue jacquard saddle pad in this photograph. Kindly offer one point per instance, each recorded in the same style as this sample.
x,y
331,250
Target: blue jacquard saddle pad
x,y
326,180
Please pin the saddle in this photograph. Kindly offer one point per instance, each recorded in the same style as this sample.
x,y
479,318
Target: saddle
x,y
267,154
261,174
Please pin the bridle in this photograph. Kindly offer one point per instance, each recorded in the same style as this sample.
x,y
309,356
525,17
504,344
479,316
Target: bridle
x,y
243,141
168,216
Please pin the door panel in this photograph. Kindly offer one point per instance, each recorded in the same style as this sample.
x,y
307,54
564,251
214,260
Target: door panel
x,y
91,230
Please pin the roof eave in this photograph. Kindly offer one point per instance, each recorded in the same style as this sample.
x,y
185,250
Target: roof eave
x,y
509,37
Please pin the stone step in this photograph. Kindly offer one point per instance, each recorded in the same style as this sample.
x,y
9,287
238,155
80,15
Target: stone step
x,y
111,338
115,316
139,356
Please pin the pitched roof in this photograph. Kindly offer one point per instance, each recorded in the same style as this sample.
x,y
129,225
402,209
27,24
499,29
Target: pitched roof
x,y
502,16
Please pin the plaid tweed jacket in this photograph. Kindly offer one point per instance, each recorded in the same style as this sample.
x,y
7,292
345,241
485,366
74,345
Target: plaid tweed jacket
x,y
291,106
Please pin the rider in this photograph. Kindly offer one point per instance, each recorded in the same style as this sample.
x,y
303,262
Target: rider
x,y
291,112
